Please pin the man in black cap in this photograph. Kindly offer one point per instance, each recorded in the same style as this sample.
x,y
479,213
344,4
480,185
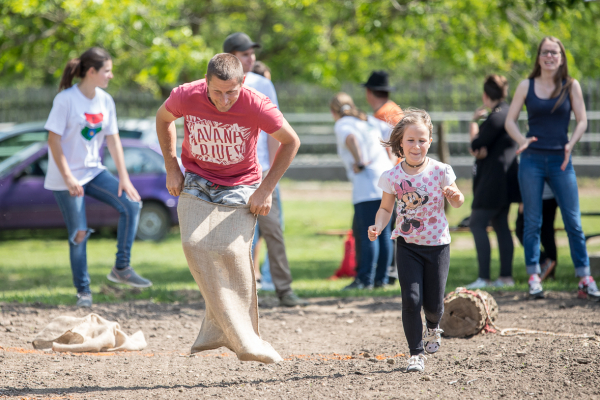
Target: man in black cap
x,y
378,97
240,45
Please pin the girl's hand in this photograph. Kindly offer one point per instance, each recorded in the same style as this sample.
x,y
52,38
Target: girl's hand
x,y
526,144
451,193
568,150
374,232
126,186
75,189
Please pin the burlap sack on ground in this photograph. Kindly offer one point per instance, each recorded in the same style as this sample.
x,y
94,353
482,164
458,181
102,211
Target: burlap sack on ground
x,y
91,333
217,242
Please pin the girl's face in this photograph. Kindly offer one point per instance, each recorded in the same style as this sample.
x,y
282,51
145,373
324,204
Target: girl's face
x,y
550,58
101,77
415,143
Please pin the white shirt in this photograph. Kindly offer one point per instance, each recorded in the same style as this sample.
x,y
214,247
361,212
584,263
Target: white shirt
x,y
421,217
264,86
82,124
368,134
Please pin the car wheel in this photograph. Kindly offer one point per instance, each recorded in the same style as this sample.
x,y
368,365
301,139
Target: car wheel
x,y
154,222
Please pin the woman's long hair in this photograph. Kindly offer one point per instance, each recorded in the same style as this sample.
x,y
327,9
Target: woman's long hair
x,y
342,105
561,75
77,67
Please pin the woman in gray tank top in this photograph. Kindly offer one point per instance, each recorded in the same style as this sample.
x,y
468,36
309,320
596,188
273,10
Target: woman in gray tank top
x,y
550,95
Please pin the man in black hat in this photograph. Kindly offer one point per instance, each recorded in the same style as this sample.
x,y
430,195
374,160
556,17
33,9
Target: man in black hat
x,y
240,45
378,97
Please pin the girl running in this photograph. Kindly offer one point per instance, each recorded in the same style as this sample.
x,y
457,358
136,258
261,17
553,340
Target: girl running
x,y
81,117
420,185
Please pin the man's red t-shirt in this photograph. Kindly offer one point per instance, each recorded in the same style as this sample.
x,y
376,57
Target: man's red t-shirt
x,y
221,146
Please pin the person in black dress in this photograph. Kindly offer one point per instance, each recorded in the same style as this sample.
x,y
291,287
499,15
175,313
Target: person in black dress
x,y
495,182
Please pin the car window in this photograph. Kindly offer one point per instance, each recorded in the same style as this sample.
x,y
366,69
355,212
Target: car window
x,y
129,134
37,168
12,145
138,160
8,164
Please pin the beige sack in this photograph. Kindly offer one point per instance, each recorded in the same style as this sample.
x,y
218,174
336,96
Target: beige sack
x,y
217,242
91,333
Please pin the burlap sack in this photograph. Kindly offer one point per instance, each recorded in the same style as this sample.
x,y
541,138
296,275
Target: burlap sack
x,y
91,333
217,242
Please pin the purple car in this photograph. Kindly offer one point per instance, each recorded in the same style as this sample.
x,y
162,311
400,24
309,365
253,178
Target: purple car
x,y
24,203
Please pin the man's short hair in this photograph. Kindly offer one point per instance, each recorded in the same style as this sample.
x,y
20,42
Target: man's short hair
x,y
226,67
380,94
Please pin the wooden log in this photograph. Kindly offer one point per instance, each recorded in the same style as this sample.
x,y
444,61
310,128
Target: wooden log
x,y
465,313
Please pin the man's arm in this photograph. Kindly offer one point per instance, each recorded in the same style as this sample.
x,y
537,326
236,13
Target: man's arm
x,y
260,201
167,137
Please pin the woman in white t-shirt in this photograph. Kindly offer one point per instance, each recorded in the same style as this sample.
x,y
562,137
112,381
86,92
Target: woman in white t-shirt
x,y
359,146
81,116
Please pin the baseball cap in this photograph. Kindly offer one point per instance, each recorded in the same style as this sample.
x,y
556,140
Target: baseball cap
x,y
238,41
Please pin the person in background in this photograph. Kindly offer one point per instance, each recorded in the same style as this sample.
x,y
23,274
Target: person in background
x,y
495,182
263,272
240,45
82,116
378,90
378,96
359,146
550,95
548,256
261,69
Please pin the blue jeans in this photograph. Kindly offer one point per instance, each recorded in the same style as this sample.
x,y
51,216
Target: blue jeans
x,y
104,188
536,168
373,255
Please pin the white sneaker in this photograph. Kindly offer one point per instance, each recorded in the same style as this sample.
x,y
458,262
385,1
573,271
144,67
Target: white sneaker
x,y
535,287
416,363
432,339
503,282
479,284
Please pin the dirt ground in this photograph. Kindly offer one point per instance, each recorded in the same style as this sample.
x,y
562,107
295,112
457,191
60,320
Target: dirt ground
x,y
334,348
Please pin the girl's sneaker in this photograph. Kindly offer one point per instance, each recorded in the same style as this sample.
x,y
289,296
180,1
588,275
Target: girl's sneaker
x,y
588,289
416,363
535,287
432,339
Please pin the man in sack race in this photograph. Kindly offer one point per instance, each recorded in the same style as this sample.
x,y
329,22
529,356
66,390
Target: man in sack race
x,y
221,196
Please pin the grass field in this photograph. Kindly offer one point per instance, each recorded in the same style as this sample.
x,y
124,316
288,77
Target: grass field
x,y
35,264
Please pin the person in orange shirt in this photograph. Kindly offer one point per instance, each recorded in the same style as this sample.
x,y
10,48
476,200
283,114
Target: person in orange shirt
x,y
378,97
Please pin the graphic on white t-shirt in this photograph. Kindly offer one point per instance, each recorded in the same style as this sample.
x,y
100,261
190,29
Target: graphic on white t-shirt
x,y
215,142
93,125
410,200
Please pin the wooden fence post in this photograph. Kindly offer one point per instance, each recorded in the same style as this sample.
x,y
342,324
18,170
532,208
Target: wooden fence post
x,y
443,151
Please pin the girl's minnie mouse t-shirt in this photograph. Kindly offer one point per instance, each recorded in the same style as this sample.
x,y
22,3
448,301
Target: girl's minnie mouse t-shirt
x,y
421,218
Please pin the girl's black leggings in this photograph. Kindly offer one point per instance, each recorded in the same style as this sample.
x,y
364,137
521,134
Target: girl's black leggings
x,y
422,272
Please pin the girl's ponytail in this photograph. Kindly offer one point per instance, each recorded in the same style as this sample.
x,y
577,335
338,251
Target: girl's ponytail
x,y
78,67
342,105
72,70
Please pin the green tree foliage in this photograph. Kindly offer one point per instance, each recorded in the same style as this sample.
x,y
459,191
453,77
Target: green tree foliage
x,y
160,43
